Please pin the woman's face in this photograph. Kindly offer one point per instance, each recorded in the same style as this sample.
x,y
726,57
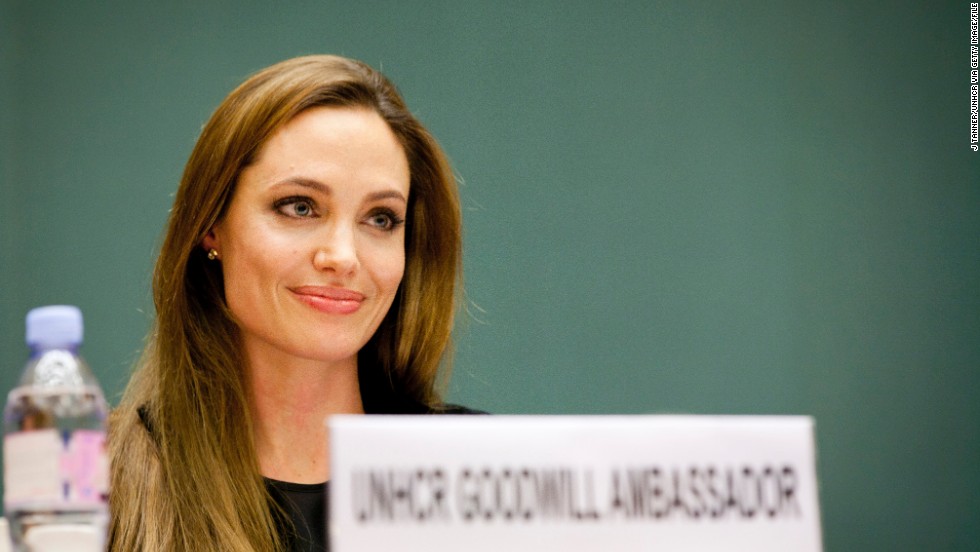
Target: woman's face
x,y
312,245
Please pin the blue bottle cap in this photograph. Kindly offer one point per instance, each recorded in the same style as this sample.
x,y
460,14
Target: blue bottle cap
x,y
54,326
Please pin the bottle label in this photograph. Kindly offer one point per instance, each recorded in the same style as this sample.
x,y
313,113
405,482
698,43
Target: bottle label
x,y
43,467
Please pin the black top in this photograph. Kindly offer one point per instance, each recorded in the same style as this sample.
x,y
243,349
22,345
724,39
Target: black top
x,y
308,509
306,505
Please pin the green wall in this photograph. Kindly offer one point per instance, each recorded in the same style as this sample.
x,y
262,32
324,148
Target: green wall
x,y
669,207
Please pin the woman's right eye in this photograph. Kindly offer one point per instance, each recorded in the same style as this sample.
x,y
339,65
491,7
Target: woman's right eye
x,y
297,207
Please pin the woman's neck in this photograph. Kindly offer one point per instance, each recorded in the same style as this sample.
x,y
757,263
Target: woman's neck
x,y
291,400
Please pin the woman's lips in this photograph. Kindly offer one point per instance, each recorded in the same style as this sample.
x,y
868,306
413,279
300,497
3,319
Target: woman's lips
x,y
329,300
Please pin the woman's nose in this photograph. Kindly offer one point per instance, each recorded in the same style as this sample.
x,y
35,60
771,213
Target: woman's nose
x,y
336,250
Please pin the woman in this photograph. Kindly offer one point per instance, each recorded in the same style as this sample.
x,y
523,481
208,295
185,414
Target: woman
x,y
309,268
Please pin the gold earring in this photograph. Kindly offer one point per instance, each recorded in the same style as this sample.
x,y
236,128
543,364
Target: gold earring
x,y
212,254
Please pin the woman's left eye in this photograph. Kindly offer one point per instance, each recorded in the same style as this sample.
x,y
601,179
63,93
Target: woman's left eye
x,y
384,220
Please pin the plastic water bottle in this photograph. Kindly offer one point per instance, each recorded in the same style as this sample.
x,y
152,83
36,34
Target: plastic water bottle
x,y
55,463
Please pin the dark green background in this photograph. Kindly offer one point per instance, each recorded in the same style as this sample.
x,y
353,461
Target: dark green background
x,y
670,207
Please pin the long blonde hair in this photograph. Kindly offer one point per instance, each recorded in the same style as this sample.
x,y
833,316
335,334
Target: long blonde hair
x,y
184,470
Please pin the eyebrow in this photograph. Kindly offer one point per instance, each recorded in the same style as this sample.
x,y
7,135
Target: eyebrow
x,y
325,189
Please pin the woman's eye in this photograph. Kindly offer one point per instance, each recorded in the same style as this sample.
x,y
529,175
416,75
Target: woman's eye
x,y
302,209
299,207
384,221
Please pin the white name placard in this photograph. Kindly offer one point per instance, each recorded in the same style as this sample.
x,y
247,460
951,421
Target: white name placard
x,y
573,483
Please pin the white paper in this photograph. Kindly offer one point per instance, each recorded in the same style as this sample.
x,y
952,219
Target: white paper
x,y
573,483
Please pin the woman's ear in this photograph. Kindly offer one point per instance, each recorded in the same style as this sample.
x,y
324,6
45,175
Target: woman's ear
x,y
210,241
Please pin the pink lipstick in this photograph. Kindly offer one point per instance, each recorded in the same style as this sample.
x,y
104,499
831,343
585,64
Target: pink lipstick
x,y
330,300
